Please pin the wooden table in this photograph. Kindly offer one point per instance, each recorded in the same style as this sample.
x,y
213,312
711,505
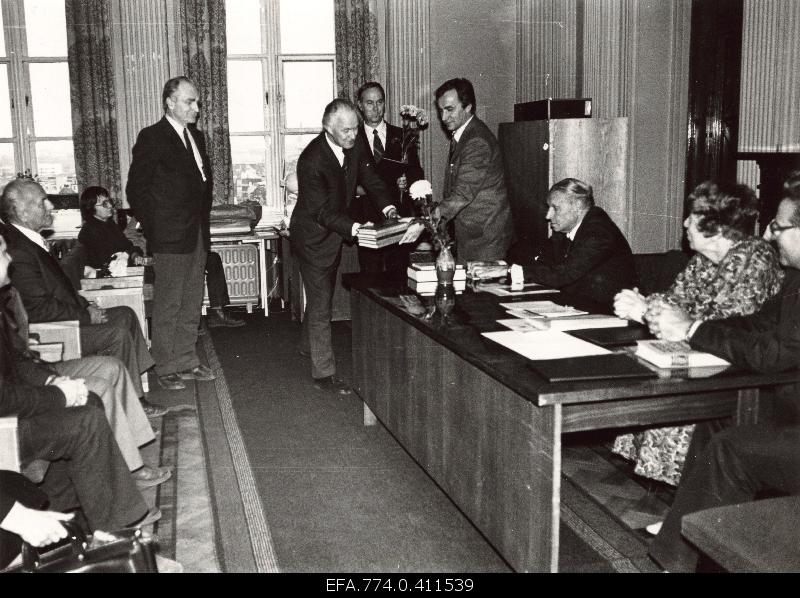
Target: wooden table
x,y
487,428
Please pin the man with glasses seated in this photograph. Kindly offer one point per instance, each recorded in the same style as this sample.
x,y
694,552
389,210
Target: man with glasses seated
x,y
726,466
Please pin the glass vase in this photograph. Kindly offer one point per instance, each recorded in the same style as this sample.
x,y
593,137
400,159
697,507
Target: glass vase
x,y
445,266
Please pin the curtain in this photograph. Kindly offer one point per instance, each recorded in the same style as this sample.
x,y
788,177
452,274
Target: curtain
x,y
94,103
204,61
356,45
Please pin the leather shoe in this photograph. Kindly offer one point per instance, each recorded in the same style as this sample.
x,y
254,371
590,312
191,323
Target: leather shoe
x,y
218,317
147,476
153,514
171,382
200,372
332,385
152,410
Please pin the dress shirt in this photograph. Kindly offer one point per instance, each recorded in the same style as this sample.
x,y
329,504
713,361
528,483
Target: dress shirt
x,y
460,130
33,236
571,234
381,129
179,129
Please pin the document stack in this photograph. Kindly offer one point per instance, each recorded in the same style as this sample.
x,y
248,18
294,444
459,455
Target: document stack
x,y
376,236
669,354
422,278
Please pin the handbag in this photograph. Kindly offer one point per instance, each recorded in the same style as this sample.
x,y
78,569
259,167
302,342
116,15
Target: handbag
x,y
125,551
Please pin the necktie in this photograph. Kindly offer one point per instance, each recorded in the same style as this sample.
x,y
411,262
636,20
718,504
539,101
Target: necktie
x,y
377,146
188,143
346,163
452,150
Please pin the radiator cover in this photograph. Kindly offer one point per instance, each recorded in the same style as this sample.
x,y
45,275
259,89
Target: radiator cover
x,y
240,262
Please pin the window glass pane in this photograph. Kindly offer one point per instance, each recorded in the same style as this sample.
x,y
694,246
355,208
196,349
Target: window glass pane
x,y
307,27
5,104
55,166
2,36
308,87
52,115
8,170
245,96
293,146
249,156
45,28
243,26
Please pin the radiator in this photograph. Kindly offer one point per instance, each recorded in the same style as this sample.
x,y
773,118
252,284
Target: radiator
x,y
240,262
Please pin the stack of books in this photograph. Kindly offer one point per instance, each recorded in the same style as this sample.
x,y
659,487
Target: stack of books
x,y
670,354
422,278
375,236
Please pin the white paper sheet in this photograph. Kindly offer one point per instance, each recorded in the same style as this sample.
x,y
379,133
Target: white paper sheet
x,y
545,344
504,290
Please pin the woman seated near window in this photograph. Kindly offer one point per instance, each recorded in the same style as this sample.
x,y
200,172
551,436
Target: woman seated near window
x,y
732,274
100,234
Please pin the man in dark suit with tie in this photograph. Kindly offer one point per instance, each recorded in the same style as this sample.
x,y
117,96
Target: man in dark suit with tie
x,y
587,255
169,191
328,171
384,141
474,196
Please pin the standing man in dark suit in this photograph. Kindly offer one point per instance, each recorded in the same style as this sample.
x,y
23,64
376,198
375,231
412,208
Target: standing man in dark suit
x,y
474,195
169,190
328,171
587,255
384,141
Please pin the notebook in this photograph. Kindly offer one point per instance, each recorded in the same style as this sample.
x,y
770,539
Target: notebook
x,y
614,337
614,366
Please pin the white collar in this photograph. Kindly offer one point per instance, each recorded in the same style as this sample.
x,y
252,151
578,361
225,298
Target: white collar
x,y
571,234
179,128
460,130
381,129
338,150
32,235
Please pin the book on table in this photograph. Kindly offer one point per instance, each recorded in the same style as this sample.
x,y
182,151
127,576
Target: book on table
x,y
676,354
614,366
429,287
376,236
427,272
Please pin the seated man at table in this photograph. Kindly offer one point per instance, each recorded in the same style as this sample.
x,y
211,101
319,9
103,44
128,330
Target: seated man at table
x,y
47,293
587,255
766,341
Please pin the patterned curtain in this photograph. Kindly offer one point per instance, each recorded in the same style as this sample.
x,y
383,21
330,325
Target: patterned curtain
x,y
356,45
94,103
205,63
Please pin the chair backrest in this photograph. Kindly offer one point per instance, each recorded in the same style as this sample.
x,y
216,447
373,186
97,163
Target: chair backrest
x,y
657,271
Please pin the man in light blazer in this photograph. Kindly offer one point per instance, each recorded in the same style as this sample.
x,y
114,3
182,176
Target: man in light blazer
x,y
328,171
474,196
169,191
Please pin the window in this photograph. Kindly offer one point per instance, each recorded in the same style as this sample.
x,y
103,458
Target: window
x,y
281,74
35,112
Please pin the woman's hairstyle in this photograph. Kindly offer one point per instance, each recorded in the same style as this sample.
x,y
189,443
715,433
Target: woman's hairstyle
x,y
725,208
577,190
89,200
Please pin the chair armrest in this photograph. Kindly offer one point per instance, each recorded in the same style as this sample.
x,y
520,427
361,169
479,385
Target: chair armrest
x,y
66,332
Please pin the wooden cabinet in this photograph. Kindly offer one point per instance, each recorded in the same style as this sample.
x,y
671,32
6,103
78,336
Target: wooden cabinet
x,y
537,154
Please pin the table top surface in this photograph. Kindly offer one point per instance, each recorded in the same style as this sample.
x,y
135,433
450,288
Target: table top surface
x,y
478,312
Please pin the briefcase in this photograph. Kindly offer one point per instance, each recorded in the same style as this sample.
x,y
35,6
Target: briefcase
x,y
125,551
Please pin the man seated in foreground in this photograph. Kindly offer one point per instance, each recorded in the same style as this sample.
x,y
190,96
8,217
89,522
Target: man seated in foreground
x,y
48,294
736,464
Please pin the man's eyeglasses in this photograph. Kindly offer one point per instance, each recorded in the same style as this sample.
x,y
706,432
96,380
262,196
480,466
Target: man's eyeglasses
x,y
777,229
106,203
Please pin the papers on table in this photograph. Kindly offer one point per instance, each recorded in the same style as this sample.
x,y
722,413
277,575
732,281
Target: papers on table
x,y
504,290
545,344
538,309
564,323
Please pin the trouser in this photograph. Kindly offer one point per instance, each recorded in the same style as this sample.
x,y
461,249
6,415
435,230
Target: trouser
x,y
108,379
737,465
86,470
215,281
177,303
316,337
121,337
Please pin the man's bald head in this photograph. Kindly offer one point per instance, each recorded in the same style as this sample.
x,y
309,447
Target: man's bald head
x,y
25,203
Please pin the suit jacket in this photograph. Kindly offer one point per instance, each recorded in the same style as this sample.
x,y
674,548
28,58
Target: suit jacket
x,y
475,196
320,220
166,190
363,209
102,239
596,265
766,341
46,291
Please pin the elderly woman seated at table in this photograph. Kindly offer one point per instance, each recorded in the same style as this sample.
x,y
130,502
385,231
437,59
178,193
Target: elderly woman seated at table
x,y
732,273
100,234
